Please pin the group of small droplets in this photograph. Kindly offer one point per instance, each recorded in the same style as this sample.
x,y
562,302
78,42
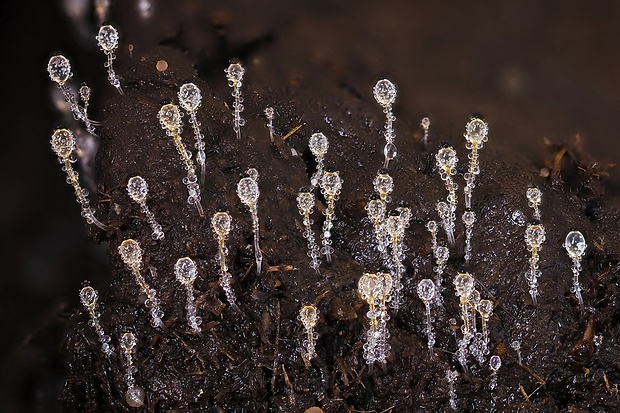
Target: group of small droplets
x,y
446,162
534,238
376,290
221,223
107,40
476,134
134,396
575,245
331,184
384,92
318,145
248,193
138,189
186,272
309,315
305,204
190,99
89,297
427,292
234,74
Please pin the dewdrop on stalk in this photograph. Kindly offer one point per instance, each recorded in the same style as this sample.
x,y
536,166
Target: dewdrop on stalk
x,y
138,189
451,376
426,292
476,135
135,395
395,230
186,272
331,184
269,113
309,316
575,245
63,144
234,75
131,254
248,193
221,224
107,40
495,362
385,95
305,203
89,297
426,124
464,285
190,99
485,308
534,198
170,120
534,238
469,217
375,289
384,185
318,145
446,162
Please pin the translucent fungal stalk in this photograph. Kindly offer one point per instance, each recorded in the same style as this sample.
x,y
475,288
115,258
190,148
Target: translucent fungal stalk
x,y
384,185
131,254
395,230
318,146
135,395
234,74
534,198
331,184
431,226
516,346
138,189
575,245
247,190
170,120
464,285
446,162
534,237
376,209
469,217
385,95
451,376
305,204
63,144
485,308
309,316
107,40
426,292
89,297
186,272
445,214
426,124
59,70
375,289
476,135
495,362
190,99
221,224
269,113
441,258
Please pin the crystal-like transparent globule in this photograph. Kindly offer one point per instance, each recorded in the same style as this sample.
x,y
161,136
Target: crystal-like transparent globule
x,y
185,270
107,38
384,92
221,222
190,97
59,69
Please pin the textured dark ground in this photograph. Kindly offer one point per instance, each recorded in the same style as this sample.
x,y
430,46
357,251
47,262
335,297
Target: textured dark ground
x,y
534,71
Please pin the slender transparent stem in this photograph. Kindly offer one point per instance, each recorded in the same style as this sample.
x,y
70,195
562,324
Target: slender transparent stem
x,y
190,180
258,255
82,196
152,302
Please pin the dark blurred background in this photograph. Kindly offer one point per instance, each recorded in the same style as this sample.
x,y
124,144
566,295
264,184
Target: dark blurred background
x,y
535,69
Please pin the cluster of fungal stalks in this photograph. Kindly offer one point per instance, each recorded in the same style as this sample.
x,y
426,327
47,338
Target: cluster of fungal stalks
x,y
378,289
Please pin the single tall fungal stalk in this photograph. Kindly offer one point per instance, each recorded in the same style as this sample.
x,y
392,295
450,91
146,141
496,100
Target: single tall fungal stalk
x,y
138,189
385,95
247,190
485,308
575,245
383,184
476,135
464,285
375,289
376,210
426,292
469,217
270,113
135,395
234,75
318,145
309,316
305,204
107,40
89,297
221,224
59,70
131,254
395,229
186,272
190,99
447,161
170,120
331,184
534,238
63,144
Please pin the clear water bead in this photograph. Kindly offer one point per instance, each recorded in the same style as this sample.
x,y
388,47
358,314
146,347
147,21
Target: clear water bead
x,y
170,117
442,209
374,286
385,93
220,222
135,396
59,69
464,284
575,244
305,201
534,235
247,190
190,97
318,144
131,253
137,188
383,184
128,341
442,254
88,296
405,215
518,218
476,131
331,183
393,224
63,143
85,92
375,209
425,123
495,362
234,73
446,158
485,308
431,226
534,195
269,112
107,38
308,316
252,174
185,270
469,217
426,290
474,297
389,151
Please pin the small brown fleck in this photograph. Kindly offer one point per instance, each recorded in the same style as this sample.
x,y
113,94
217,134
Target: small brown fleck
x,y
161,66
